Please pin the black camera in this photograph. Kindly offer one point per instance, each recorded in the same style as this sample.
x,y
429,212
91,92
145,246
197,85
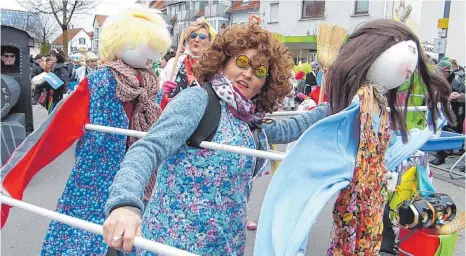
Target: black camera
x,y
427,211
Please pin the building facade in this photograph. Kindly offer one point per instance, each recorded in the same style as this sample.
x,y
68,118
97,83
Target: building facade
x,y
243,9
97,27
296,22
78,39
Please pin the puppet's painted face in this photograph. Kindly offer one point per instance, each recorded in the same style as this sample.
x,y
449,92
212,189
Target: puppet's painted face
x,y
140,57
394,66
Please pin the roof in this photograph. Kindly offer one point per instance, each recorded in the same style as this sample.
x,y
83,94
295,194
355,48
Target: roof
x,y
22,20
158,4
91,34
240,6
71,33
100,19
200,13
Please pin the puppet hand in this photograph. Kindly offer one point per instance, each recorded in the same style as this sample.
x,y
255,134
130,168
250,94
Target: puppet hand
x,y
169,86
301,96
121,227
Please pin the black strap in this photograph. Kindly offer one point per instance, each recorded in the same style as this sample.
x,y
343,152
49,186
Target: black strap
x,y
208,125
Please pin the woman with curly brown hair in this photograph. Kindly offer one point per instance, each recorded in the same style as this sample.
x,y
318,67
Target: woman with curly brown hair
x,y
200,201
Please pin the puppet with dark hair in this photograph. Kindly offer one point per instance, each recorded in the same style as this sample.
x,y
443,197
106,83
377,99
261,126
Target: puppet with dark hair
x,y
354,145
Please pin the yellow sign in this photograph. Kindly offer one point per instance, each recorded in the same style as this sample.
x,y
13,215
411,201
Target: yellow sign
x,y
442,23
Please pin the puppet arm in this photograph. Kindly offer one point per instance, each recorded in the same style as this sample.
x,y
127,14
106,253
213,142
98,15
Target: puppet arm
x,y
56,134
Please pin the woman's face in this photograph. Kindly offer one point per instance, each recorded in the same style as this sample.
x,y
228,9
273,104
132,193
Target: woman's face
x,y
53,59
198,41
163,63
92,64
247,71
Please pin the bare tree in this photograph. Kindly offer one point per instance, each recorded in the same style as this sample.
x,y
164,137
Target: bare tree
x,y
62,10
46,29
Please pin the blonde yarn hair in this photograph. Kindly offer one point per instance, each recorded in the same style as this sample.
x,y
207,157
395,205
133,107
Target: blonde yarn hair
x,y
132,29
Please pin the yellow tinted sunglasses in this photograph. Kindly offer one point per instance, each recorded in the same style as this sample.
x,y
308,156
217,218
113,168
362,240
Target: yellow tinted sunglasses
x,y
243,62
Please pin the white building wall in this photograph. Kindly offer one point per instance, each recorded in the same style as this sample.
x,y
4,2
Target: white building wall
x,y
95,40
456,32
337,12
74,42
240,17
431,11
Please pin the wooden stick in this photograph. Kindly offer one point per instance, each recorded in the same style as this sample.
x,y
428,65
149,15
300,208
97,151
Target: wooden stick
x,y
177,56
92,227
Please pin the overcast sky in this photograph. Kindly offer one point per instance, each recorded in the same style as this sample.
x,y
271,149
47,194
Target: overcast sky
x,y
106,7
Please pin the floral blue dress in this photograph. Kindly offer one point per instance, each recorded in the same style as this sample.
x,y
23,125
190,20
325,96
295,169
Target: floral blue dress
x,y
199,206
199,202
98,157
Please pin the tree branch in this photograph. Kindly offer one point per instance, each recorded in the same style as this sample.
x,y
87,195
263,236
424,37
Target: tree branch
x,y
55,13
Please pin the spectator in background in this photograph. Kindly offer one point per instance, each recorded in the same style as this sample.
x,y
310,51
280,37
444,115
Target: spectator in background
x,y
36,66
91,65
459,70
457,106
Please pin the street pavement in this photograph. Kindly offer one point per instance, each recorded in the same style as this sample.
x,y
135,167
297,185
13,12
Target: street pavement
x,y
24,232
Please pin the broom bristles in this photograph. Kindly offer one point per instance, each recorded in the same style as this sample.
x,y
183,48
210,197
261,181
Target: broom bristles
x,y
329,40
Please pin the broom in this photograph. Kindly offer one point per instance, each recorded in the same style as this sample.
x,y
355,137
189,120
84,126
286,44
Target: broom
x,y
329,40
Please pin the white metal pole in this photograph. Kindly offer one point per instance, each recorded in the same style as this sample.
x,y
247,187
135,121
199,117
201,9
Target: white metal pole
x,y
294,113
209,145
92,227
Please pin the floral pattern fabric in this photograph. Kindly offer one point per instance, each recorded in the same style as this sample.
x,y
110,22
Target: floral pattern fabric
x,y
359,208
98,157
200,200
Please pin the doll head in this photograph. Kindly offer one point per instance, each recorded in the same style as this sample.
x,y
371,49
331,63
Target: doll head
x,y
387,53
138,38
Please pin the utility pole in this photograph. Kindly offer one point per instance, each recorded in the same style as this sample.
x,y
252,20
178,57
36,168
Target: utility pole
x,y
444,29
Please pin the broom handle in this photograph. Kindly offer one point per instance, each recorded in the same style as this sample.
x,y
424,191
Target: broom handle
x,y
322,86
177,56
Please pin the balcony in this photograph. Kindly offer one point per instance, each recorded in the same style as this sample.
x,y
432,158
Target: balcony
x,y
215,10
166,18
186,15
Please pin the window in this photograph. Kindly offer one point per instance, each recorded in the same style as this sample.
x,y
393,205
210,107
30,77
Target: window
x,y
274,12
313,9
361,7
82,40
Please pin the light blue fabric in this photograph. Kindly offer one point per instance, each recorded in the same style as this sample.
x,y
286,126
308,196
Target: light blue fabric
x,y
426,188
319,77
319,165
399,151
314,170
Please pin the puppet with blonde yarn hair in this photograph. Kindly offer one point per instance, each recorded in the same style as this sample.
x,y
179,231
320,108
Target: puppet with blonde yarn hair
x,y
121,93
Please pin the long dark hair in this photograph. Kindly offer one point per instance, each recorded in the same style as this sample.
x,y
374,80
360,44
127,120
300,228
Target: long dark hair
x,y
357,54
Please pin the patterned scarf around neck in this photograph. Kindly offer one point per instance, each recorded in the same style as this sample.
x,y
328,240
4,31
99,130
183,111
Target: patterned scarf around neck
x,y
146,111
241,107
359,208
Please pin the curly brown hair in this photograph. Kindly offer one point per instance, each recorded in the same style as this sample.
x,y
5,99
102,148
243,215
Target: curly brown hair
x,y
238,38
